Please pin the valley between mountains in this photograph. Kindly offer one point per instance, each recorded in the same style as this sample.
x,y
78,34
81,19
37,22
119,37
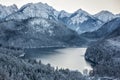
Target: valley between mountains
x,y
38,25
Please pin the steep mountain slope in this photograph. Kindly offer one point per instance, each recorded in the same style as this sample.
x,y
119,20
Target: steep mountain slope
x,y
105,30
34,10
35,32
7,10
39,23
105,55
81,21
105,16
63,14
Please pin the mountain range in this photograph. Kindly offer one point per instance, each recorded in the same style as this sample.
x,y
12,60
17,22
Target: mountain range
x,y
79,20
38,25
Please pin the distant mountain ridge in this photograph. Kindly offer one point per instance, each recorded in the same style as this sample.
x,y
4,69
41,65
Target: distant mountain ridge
x,y
105,30
79,21
106,16
39,25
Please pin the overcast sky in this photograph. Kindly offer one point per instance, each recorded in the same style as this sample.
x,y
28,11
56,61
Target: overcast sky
x,y
91,6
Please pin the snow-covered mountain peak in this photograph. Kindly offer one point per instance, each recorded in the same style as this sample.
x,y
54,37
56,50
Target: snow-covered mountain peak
x,y
81,12
79,17
37,6
105,12
79,21
63,14
35,10
105,16
7,10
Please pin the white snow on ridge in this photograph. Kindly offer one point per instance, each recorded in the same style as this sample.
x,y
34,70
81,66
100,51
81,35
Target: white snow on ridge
x,y
105,16
79,17
63,14
79,21
35,10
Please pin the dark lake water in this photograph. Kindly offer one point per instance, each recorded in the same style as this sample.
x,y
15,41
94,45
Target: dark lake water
x,y
72,58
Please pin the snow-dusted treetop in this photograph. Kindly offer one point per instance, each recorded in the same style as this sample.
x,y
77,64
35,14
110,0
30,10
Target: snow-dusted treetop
x,y
7,10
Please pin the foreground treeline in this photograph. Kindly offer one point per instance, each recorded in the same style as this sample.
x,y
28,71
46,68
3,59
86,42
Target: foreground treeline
x,y
14,68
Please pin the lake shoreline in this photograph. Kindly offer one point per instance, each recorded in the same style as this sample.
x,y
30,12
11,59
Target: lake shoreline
x,y
54,52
